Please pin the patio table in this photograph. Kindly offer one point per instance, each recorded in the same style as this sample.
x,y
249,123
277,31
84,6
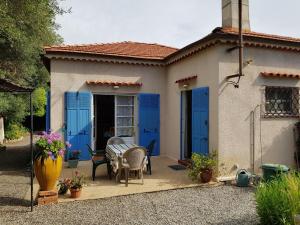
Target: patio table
x,y
114,154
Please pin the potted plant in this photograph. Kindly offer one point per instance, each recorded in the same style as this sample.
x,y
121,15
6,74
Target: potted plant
x,y
48,159
202,166
63,186
76,185
73,158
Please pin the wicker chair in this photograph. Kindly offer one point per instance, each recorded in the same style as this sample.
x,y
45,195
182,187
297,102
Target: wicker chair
x,y
150,149
133,160
115,140
98,158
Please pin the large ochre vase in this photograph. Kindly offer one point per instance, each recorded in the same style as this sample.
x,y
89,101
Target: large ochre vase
x,y
47,172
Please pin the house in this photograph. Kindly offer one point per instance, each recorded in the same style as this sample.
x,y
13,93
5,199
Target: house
x,y
183,98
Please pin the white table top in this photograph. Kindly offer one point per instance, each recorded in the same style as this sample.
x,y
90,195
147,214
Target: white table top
x,y
116,150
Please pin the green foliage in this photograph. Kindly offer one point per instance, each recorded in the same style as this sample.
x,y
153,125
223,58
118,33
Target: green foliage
x,y
15,131
26,26
39,101
77,181
13,108
201,162
279,200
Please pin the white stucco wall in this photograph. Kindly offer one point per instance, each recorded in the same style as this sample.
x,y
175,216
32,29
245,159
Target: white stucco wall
x,y
274,141
204,64
229,108
69,75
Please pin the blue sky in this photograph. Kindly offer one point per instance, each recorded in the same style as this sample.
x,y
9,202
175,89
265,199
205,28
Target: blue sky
x,y
171,22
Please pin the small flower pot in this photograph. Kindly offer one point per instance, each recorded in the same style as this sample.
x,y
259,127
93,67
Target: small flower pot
x,y
73,163
206,175
75,193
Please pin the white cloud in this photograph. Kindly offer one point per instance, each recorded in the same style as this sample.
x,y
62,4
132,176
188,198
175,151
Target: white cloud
x,y
170,22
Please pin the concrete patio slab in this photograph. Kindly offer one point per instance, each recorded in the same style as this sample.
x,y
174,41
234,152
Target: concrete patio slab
x,y
162,178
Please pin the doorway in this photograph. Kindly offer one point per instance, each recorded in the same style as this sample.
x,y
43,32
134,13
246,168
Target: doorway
x,y
114,115
186,124
104,120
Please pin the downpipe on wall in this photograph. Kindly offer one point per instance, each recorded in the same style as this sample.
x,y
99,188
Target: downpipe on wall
x,y
252,127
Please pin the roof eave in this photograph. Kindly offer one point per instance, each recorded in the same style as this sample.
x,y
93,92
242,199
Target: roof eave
x,y
102,57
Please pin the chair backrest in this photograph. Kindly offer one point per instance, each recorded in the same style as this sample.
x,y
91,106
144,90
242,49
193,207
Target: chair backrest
x,y
115,141
150,147
91,151
135,157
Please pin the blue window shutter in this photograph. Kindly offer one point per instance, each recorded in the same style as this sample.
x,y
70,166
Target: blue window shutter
x,y
48,111
149,120
200,120
78,121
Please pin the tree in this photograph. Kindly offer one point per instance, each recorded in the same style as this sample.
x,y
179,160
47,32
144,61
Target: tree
x,y
26,26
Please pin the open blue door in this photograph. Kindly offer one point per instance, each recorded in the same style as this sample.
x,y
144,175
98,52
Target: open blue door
x,y
78,122
149,121
200,112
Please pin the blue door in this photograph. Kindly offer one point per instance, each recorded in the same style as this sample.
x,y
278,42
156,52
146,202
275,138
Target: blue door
x,y
149,121
200,107
78,121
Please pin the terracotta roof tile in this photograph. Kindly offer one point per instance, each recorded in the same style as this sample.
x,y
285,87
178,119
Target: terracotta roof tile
x,y
259,35
186,79
124,49
113,83
280,75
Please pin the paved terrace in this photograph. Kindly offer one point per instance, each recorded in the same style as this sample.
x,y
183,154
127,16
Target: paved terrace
x,y
162,178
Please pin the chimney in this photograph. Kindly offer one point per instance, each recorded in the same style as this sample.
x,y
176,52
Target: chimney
x,y
230,14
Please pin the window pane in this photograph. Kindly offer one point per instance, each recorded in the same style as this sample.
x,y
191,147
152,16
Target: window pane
x,y
125,116
282,101
124,100
125,132
124,121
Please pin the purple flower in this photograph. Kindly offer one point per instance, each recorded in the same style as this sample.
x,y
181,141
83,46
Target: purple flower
x,y
61,152
49,141
68,144
50,153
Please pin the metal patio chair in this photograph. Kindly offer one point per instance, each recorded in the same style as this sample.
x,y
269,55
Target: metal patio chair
x,y
115,141
98,158
133,160
150,149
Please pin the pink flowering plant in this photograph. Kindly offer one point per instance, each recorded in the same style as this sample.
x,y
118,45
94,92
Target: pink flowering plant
x,y
77,181
50,144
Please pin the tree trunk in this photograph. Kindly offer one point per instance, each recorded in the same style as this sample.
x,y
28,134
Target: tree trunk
x,y
1,130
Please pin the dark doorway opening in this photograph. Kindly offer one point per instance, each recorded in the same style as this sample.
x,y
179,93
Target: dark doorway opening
x,y
104,119
186,126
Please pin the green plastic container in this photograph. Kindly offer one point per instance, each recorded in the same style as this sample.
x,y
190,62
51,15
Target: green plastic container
x,y
271,171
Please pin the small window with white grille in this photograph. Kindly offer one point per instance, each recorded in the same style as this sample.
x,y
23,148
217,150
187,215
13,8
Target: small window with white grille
x,y
281,102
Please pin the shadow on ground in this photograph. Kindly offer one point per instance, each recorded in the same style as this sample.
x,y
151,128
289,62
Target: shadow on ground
x,y
14,158
14,175
11,201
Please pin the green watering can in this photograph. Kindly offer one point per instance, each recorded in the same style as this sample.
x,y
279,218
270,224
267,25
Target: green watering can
x,y
242,178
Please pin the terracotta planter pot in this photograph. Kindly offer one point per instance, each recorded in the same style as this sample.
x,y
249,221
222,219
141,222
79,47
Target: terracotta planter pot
x,y
47,172
75,193
206,175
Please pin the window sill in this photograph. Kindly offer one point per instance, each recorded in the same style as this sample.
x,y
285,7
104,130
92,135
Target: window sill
x,y
267,116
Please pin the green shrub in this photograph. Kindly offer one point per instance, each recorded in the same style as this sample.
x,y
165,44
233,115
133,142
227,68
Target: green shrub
x,y
14,131
200,162
279,200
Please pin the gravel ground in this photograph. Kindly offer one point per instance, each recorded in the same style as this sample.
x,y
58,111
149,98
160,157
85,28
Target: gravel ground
x,y
219,205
